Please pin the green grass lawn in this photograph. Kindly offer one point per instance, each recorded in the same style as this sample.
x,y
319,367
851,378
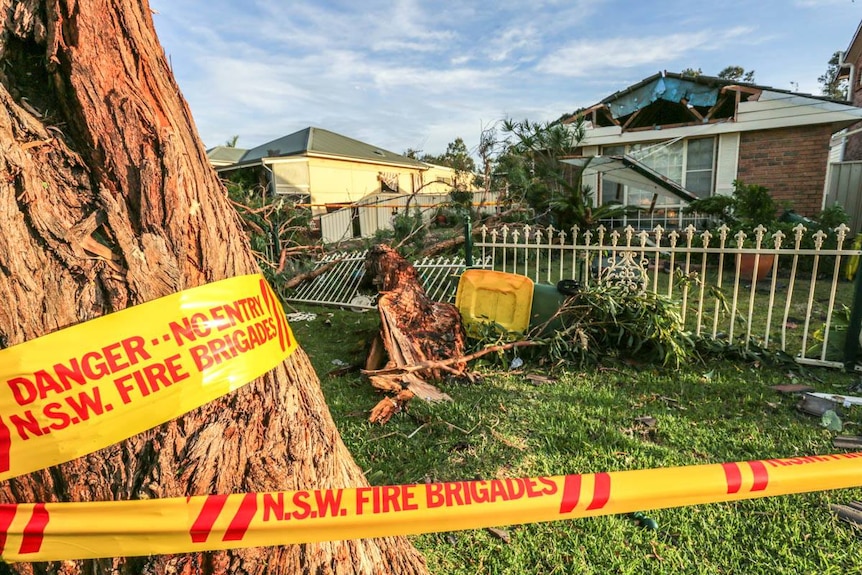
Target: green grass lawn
x,y
585,422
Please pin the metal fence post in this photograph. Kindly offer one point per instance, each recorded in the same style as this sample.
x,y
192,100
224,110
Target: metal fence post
x,y
851,343
468,241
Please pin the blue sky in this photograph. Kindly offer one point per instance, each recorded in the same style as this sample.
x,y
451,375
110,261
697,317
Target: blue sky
x,y
417,74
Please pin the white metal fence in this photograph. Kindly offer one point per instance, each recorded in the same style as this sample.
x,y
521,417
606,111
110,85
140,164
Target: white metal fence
x,y
372,213
342,283
800,308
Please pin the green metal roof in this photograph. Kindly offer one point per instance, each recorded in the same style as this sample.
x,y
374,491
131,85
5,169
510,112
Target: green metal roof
x,y
316,141
225,154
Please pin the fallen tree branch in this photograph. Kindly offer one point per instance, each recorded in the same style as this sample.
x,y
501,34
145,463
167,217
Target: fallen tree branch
x,y
447,245
388,406
282,260
298,279
437,364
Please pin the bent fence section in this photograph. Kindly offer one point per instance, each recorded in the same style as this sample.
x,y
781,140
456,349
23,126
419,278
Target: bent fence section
x,y
800,304
344,284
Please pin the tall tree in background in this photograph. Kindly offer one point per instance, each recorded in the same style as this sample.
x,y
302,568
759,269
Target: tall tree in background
x,y
534,171
732,73
107,200
737,74
830,85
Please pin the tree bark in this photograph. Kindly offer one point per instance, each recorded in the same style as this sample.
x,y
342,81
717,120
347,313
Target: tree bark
x,y
413,329
107,200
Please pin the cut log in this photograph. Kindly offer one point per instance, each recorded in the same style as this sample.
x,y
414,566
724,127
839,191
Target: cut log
x,y
414,330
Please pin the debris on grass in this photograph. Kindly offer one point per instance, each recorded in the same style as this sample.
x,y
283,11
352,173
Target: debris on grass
x,y
646,421
539,379
301,316
847,441
850,513
845,400
500,534
814,405
831,421
642,520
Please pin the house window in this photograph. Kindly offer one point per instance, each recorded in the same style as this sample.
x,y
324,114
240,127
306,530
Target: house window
x,y
388,182
691,163
612,191
700,165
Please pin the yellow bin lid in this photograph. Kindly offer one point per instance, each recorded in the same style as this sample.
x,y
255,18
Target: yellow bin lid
x,y
485,296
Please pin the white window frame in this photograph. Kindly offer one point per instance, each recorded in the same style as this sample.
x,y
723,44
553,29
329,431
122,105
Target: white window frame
x,y
675,208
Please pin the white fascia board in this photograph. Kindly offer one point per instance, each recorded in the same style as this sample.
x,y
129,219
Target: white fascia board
x,y
306,158
771,111
287,160
617,137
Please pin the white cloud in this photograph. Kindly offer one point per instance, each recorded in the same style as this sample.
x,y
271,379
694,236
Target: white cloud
x,y
586,57
418,73
518,38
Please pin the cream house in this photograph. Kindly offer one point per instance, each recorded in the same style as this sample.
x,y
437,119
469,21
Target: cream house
x,y
328,171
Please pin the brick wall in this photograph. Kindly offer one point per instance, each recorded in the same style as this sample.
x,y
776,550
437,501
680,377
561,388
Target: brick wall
x,y
790,162
853,145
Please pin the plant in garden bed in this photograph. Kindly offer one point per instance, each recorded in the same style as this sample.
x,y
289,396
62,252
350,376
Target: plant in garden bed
x,y
612,319
750,205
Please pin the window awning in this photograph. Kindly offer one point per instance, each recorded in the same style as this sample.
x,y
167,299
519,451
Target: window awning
x,y
627,171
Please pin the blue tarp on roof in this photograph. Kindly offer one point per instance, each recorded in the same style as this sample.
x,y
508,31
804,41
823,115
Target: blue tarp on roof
x,y
664,88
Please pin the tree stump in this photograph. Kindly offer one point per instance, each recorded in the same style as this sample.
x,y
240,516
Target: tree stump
x,y
413,329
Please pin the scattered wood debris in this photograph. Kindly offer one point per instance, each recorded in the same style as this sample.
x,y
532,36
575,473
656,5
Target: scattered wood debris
x,y
847,441
813,405
646,421
539,379
851,513
500,534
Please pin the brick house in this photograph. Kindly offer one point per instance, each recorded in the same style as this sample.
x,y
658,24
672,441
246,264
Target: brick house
x,y
849,69
705,132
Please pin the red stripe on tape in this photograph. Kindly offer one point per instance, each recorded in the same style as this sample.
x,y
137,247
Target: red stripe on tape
x,y
210,511
269,299
733,476
602,491
571,493
240,522
34,532
7,514
761,475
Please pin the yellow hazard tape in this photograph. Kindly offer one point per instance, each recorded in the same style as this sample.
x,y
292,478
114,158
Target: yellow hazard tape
x,y
85,387
58,531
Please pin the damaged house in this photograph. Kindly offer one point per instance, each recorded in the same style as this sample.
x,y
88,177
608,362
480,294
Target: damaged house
x,y
701,133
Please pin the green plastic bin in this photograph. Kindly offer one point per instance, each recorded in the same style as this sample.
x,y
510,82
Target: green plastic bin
x,y
547,299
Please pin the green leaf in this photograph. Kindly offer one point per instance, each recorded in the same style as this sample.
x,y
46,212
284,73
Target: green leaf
x,y
831,421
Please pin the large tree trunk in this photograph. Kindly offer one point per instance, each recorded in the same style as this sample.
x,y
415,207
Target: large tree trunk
x,y
107,200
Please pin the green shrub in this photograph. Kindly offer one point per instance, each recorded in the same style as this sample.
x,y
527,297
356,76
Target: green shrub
x,y
612,319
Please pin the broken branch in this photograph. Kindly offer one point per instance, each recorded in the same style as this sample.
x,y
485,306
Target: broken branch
x,y
436,364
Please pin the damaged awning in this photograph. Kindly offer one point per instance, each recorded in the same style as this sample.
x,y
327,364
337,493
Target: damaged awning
x,y
627,171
